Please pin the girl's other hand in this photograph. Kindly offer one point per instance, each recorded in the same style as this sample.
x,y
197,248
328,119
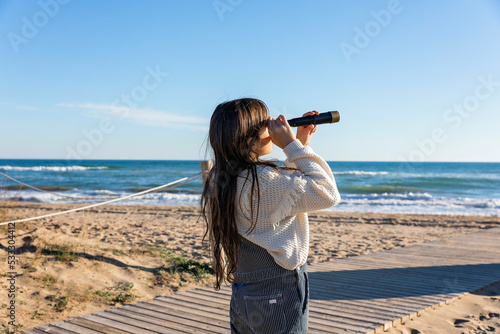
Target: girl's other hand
x,y
305,132
280,131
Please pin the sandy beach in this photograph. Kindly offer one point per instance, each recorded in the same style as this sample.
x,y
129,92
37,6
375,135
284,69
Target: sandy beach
x,y
83,262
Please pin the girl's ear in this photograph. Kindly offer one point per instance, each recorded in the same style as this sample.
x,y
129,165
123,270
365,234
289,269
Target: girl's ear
x,y
255,147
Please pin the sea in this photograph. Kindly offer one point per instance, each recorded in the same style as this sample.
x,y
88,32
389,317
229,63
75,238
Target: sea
x,y
445,188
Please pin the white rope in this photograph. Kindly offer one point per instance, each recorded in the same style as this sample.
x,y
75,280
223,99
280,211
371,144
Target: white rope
x,y
46,191
198,175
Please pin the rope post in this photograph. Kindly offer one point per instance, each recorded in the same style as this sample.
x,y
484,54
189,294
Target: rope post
x,y
206,166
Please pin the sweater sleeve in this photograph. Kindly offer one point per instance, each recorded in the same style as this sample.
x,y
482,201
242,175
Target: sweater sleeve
x,y
315,189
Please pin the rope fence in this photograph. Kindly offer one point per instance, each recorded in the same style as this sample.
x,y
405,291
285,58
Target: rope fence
x,y
46,191
168,185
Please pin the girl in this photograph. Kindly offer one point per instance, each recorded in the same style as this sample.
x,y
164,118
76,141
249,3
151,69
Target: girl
x,y
256,215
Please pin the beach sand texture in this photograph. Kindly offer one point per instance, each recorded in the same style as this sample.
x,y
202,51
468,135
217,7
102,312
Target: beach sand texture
x,y
88,261
474,313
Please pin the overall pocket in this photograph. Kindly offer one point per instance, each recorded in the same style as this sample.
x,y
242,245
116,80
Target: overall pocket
x,y
266,314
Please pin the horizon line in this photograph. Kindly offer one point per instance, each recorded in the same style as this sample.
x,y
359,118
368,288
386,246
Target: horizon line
x,y
399,161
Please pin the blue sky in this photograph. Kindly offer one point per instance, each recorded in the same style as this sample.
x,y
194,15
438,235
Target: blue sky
x,y
413,80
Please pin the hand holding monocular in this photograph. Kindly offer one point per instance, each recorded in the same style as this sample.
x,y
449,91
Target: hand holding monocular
x,y
323,118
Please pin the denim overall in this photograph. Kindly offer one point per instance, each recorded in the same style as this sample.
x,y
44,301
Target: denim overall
x,y
266,298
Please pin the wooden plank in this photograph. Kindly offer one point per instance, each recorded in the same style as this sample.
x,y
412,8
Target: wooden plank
x,y
347,312
125,328
185,318
373,305
394,305
341,318
352,289
180,323
189,306
365,293
360,309
56,330
74,327
407,260
398,259
183,309
415,286
466,273
412,283
319,331
222,299
171,326
418,275
202,300
359,294
464,270
444,256
95,326
34,331
394,260
330,329
183,312
209,291
215,296
339,324
451,249
467,245
384,264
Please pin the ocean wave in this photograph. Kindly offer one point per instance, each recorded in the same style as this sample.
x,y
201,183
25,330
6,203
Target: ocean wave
x,y
96,196
360,173
168,190
424,175
103,191
378,189
410,202
51,168
419,203
447,175
410,196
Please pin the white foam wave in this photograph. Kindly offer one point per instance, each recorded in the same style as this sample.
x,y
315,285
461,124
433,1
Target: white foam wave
x,y
430,175
360,173
415,203
411,196
419,203
51,168
103,195
448,175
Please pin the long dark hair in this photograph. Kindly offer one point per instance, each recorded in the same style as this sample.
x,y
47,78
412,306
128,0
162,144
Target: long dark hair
x,y
234,129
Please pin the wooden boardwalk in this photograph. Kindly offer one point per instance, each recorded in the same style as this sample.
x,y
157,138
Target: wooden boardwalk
x,y
362,294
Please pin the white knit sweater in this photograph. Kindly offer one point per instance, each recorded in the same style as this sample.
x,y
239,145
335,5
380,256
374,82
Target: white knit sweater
x,y
285,198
